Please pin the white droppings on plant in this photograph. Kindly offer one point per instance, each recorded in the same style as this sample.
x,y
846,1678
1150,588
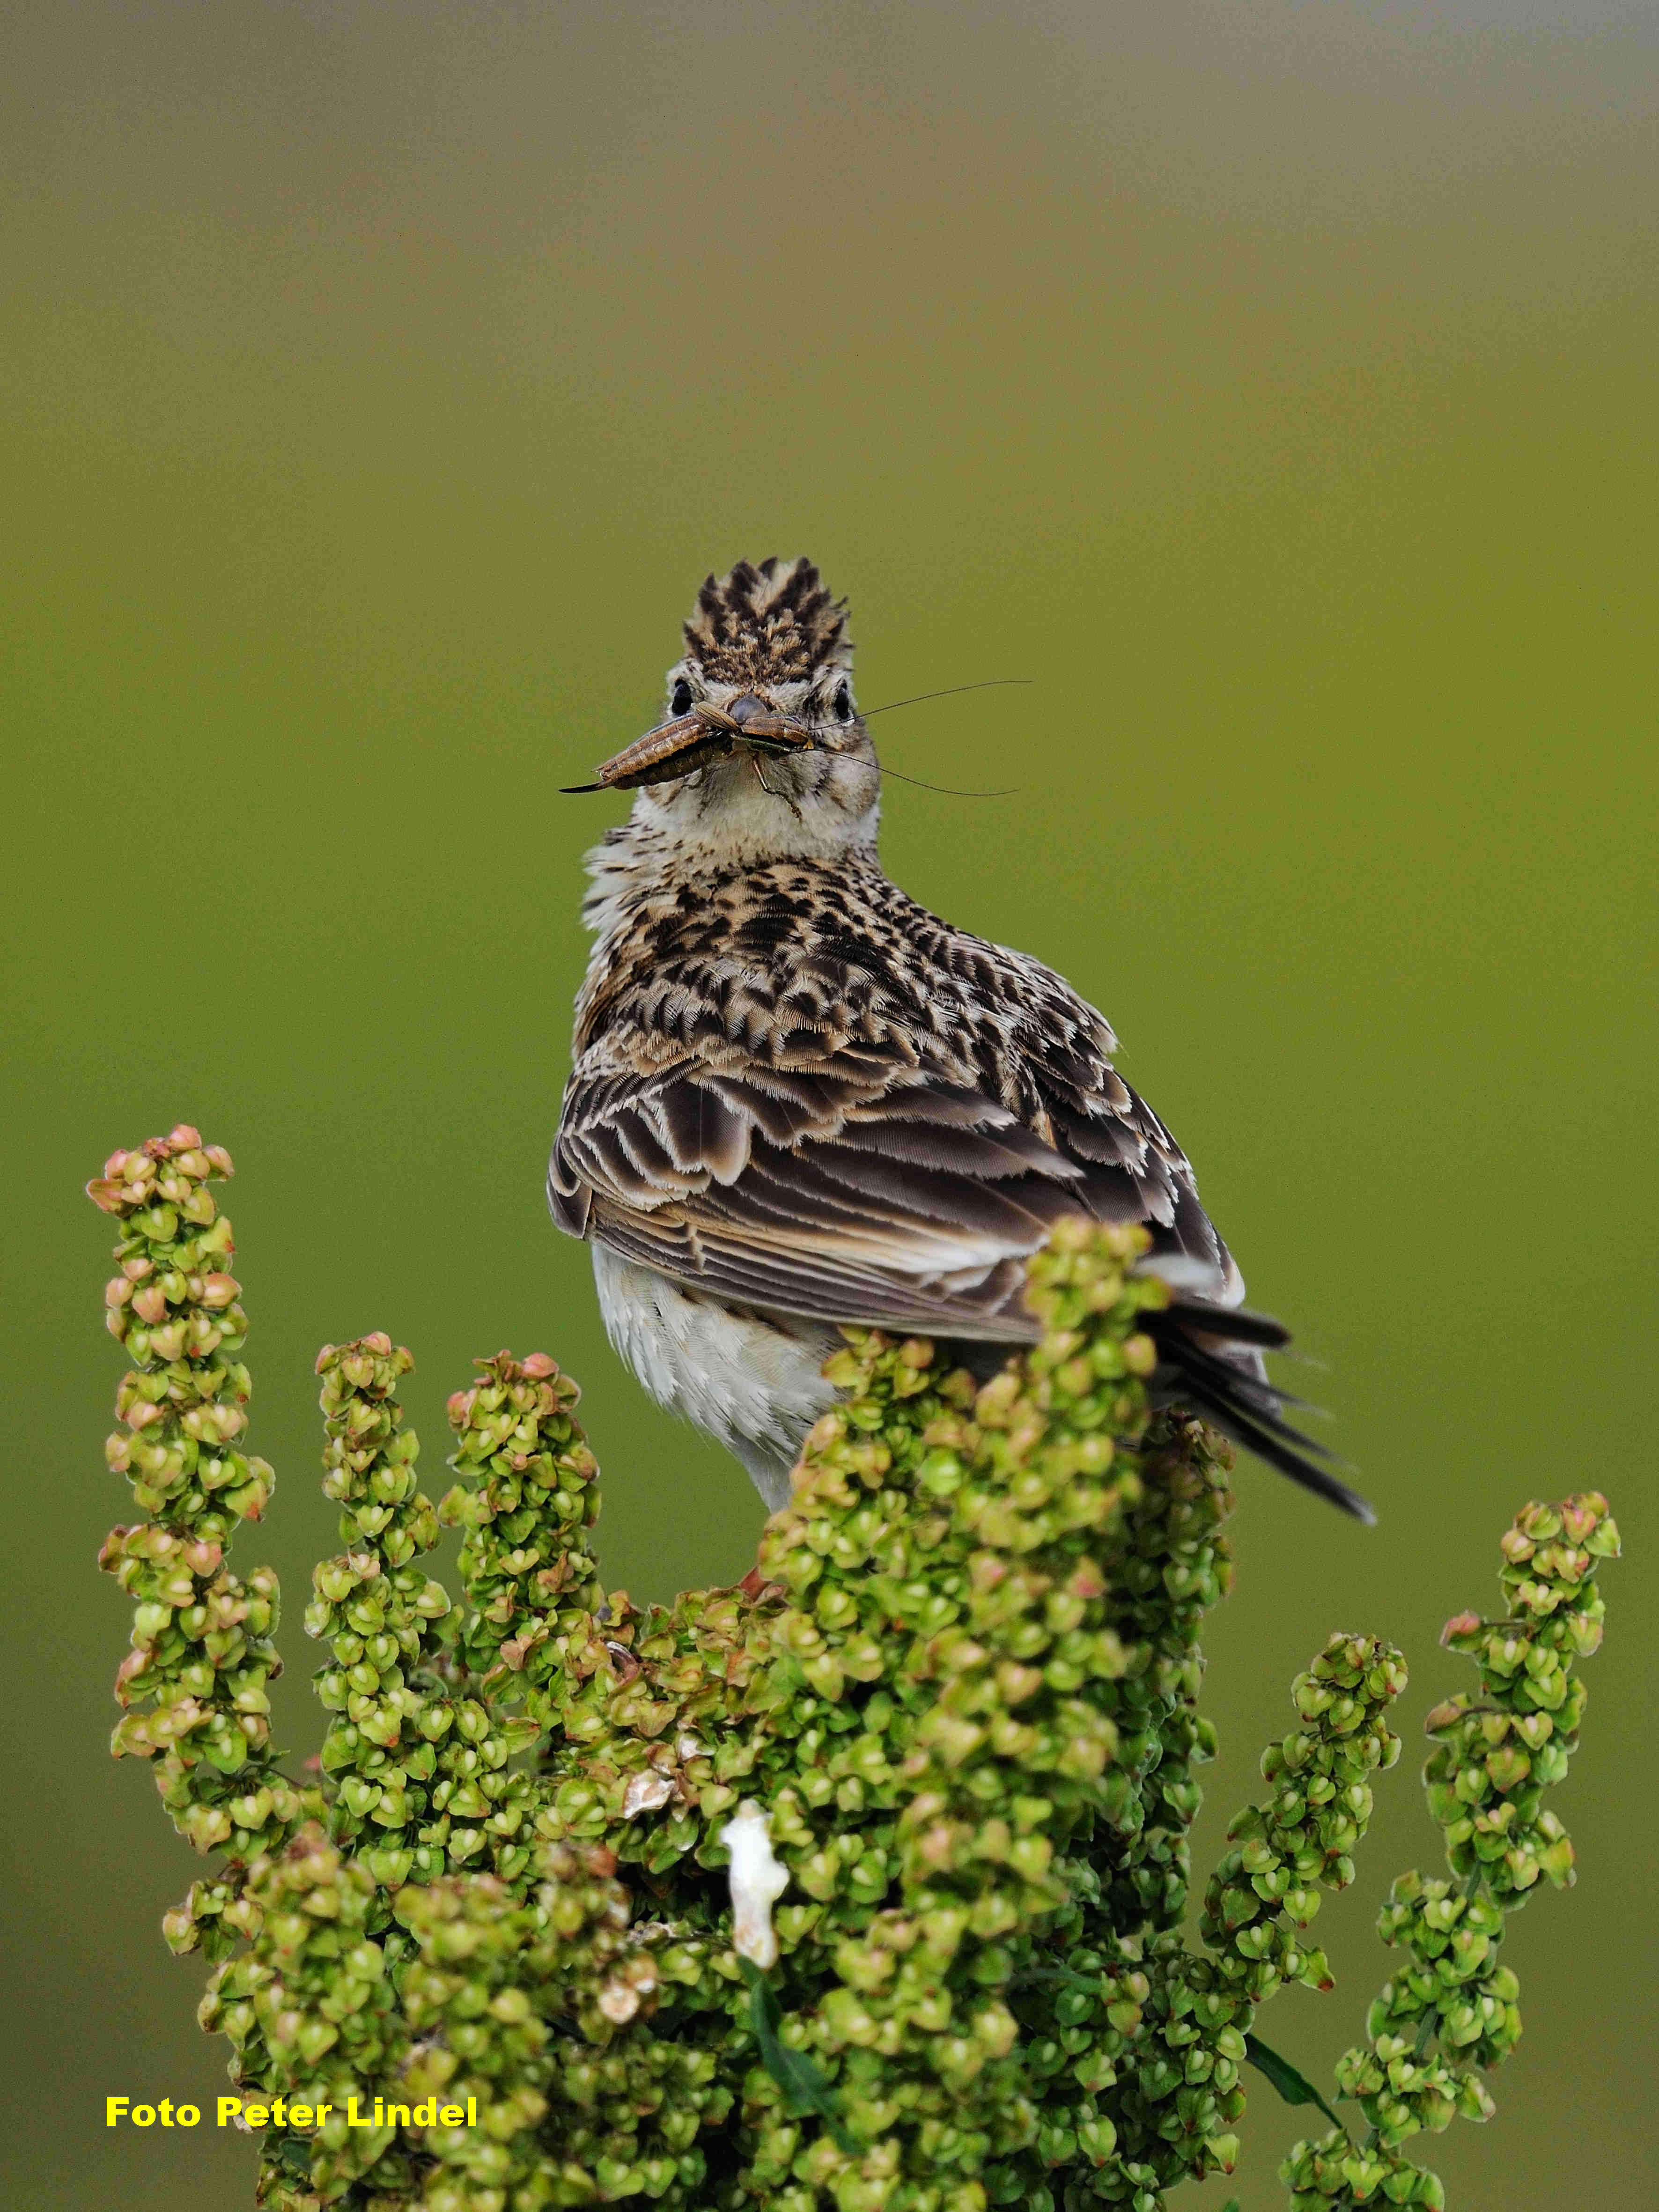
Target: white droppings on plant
x,y
758,1880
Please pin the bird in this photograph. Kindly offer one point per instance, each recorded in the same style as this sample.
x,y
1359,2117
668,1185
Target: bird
x,y
798,1102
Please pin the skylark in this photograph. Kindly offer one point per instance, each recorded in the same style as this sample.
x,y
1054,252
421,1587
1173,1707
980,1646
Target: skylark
x,y
799,1099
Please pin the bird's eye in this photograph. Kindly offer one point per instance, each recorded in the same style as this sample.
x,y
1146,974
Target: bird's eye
x,y
679,699
842,704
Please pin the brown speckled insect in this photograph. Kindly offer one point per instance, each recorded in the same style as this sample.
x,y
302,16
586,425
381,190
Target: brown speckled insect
x,y
691,741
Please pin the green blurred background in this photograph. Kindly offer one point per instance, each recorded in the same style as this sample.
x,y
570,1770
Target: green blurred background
x,y
1273,385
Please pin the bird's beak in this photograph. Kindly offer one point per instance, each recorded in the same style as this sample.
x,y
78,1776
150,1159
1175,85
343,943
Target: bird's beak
x,y
691,741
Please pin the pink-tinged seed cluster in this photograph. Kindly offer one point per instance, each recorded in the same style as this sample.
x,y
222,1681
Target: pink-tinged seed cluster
x,y
194,1686
1451,2011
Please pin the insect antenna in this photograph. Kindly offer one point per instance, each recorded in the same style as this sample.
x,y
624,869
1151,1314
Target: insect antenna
x,y
950,790
991,683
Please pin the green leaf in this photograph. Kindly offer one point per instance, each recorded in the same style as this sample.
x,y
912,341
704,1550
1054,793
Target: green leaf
x,y
1295,2088
291,2154
802,2082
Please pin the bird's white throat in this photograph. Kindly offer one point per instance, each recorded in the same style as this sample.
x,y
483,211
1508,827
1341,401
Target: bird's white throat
x,y
823,806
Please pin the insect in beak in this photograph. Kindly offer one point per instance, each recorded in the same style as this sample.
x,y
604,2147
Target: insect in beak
x,y
692,741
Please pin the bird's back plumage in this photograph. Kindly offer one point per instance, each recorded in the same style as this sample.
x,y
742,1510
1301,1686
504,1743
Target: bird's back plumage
x,y
796,1086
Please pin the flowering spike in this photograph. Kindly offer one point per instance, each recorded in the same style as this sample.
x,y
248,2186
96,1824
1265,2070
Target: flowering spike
x,y
193,1688
1449,2012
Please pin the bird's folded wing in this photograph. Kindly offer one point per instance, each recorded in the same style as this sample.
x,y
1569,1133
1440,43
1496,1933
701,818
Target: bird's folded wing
x,y
863,1187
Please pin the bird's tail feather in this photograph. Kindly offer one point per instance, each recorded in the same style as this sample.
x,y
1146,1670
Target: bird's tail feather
x,y
1210,1359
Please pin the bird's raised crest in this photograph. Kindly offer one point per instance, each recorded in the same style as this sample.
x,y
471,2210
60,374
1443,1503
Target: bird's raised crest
x,y
772,623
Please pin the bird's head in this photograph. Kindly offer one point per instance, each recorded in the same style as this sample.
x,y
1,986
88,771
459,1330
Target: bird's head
x,y
761,750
